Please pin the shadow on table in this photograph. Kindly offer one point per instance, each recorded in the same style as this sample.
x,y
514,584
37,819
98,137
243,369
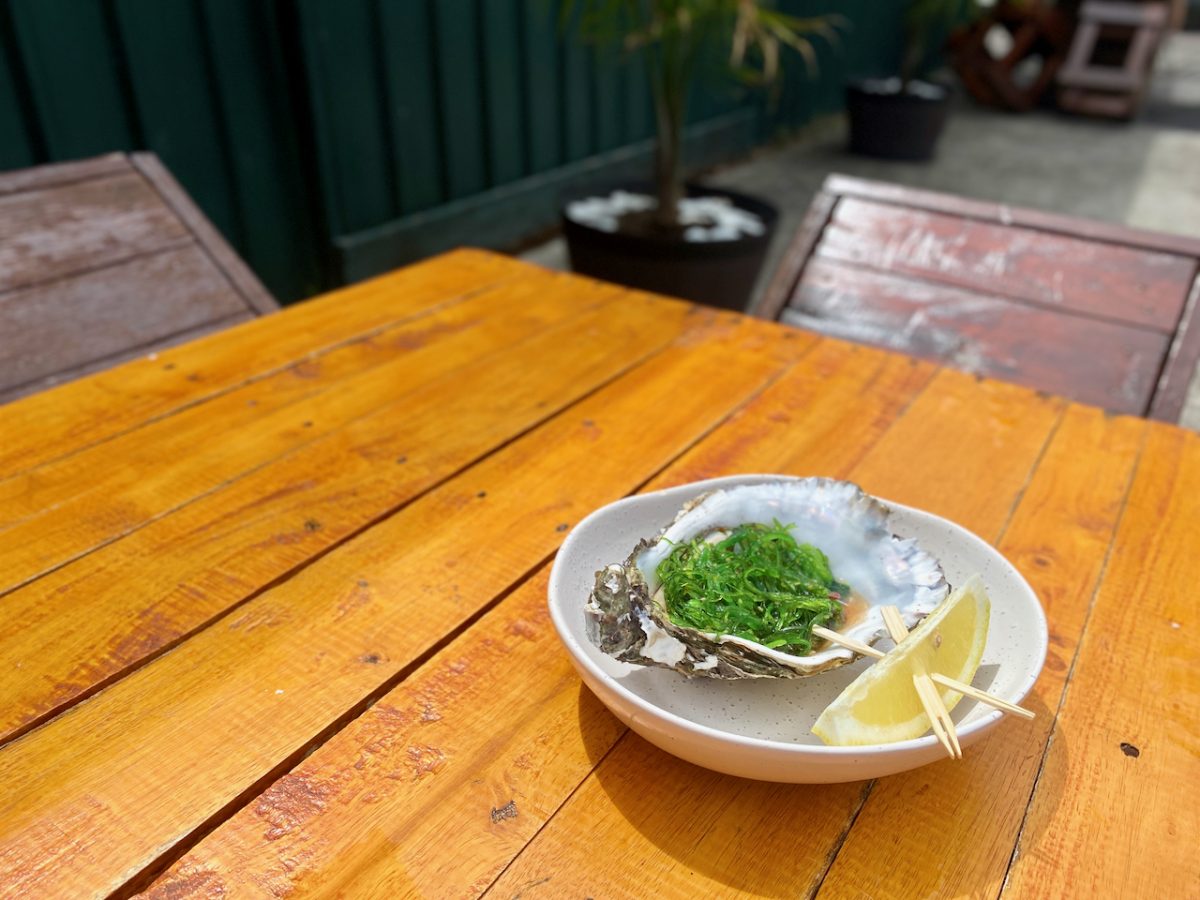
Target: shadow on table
x,y
750,836
756,837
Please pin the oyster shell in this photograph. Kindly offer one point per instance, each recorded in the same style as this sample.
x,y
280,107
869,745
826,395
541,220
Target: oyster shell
x,y
626,614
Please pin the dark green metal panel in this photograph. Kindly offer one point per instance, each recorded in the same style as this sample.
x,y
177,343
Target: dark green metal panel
x,y
304,125
16,149
607,103
257,108
637,102
16,142
341,54
576,60
506,215
502,77
406,33
542,86
73,69
173,93
869,43
872,45
461,100
710,77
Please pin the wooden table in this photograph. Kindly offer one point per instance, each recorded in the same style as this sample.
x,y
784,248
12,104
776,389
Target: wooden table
x,y
276,625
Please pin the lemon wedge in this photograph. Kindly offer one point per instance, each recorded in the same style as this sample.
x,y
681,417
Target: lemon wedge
x,y
881,706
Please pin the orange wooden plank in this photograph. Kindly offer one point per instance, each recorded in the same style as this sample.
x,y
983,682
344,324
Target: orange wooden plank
x,y
16,181
948,830
673,830
991,434
61,511
148,761
999,433
441,793
820,418
193,565
814,401
1114,811
536,764
58,231
45,426
963,450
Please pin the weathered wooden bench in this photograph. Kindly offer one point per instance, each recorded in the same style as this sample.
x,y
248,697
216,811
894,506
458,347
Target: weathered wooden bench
x,y
1096,312
105,259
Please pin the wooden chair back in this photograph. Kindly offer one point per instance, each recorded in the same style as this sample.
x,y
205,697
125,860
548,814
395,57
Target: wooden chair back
x,y
103,260
1112,87
1099,313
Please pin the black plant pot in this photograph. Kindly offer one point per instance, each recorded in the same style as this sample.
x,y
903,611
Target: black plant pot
x,y
886,123
716,273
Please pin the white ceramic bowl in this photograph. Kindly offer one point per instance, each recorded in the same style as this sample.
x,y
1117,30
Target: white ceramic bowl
x,y
761,728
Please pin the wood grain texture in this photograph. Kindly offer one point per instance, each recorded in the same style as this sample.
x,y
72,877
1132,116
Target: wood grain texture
x,y
960,433
309,652
1099,313
59,231
790,269
948,830
1112,812
376,562
1136,286
198,562
822,417
159,345
129,305
1003,213
437,835
1099,362
68,508
41,428
38,177
365,362
687,831
699,832
240,276
441,797
104,260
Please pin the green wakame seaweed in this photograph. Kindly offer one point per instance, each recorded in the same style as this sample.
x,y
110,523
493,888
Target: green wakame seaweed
x,y
758,583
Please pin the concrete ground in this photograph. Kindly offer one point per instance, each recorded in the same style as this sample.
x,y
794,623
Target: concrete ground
x,y
1145,173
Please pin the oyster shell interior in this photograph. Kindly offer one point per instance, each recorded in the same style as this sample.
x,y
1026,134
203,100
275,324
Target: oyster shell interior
x,y
626,614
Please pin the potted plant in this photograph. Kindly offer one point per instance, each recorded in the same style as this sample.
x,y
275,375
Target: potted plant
x,y
901,117
702,244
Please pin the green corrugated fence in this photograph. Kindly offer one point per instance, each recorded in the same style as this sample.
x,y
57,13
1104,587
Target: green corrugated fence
x,y
330,139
